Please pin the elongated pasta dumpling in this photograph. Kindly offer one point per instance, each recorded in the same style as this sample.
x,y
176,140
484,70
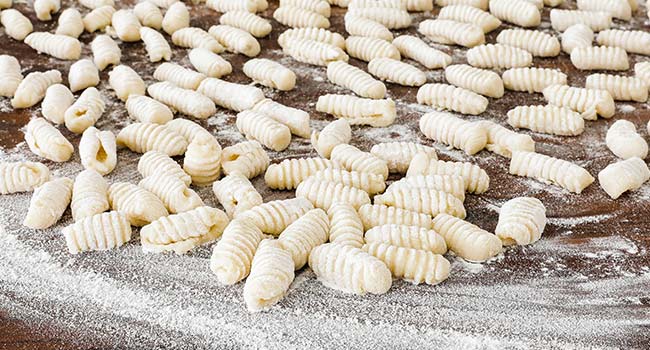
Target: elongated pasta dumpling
x,y
176,17
156,162
470,14
304,234
417,50
70,23
236,194
452,184
585,101
99,18
125,81
616,8
413,265
105,52
148,14
395,71
626,175
156,45
247,158
353,159
313,52
48,203
355,79
10,76
498,56
332,135
358,111
314,34
360,26
180,76
93,4
392,18
624,141
98,232
203,160
31,90
229,95
550,170
577,35
83,74
209,63
345,225
600,57
322,193
250,22
85,112
185,101
632,41
22,176
274,217
297,17
46,141
58,99
450,32
480,4
270,276
233,254
140,206
295,119
126,25
377,215
478,80
620,87
97,150
235,40
532,79
504,141
188,129
453,98
423,200
192,37
366,48
144,137
398,155
89,195
548,119
349,269
468,241
270,133
147,110
5,4
519,12
368,182
521,221
536,42
319,6
453,131
15,24
287,174
476,179
174,194
270,73
225,6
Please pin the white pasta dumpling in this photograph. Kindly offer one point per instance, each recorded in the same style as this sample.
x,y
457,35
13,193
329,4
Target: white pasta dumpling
x,y
89,195
395,71
105,52
478,80
233,254
452,98
322,193
360,26
274,217
156,45
247,158
236,194
448,129
378,215
547,119
98,150
188,129
349,269
126,25
367,182
125,81
235,40
161,3
304,234
45,8
155,162
270,133
83,74
600,57
616,8
250,22
140,206
470,14
296,17
332,135
449,32
209,63
185,101
358,111
468,241
183,232
180,76
398,155
521,221
176,17
585,101
419,51
145,137
577,35
315,34
192,37
413,265
621,88
353,78
423,200
632,41
295,119
85,112
366,48
148,14
31,90
532,79
102,231
15,24
70,23
519,12
345,225
271,274
99,18
354,159
10,75
5,4
46,141
147,110
504,141
313,52
289,173
174,194
624,141
498,56
476,179
48,203
203,160
93,4
479,4
237,97
270,73
626,175
58,99
392,18
452,184
536,42
419,5
550,170
224,6
319,6
22,176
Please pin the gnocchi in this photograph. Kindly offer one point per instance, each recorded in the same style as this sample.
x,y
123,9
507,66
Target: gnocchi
x,y
405,236
354,159
235,40
31,90
85,112
273,217
478,80
521,221
577,35
105,52
10,75
322,194
89,195
236,194
313,52
448,32
358,111
147,110
156,45
289,173
83,74
229,95
70,23
266,130
156,162
345,225
192,37
145,137
22,176
619,87
366,48
48,203
468,241
624,141
174,194
476,179
398,155
98,232
209,63
177,17
498,56
453,98
270,276
367,182
247,158
377,215
140,206
361,83
417,50
423,200
186,101
532,79
453,131
296,17
304,234
180,76
550,170
585,101
536,42
250,22
395,71
233,254
470,14
548,119
126,82
622,176
58,99
295,119
332,135
270,73
414,265
600,57
519,12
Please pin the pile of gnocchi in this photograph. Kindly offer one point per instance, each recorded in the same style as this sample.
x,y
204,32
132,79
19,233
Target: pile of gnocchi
x,y
352,228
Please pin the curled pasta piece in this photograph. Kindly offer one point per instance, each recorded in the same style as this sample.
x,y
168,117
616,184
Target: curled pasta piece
x,y
452,184
225,6
322,194
148,14
126,82
270,73
156,45
398,155
413,265
105,52
193,38
395,71
577,35
46,141
48,203
250,22
478,80
536,42
520,12
58,99
22,176
349,269
229,95
354,159
89,195
10,75
521,221
417,50
209,63
479,4
313,52
582,100
297,17
15,24
140,206
185,101
83,74
177,17
270,133
345,225
361,26
470,14
70,23
270,276
62,47
504,141
616,8
287,174
450,32
476,179
365,48
550,170
319,6
368,182
407,237
377,215
632,41
180,76
174,194
236,194
85,112
423,200
392,18
453,131
233,254
203,160
295,119
532,79
274,217
358,111
126,25
452,98
600,57
156,162
304,234
98,232
145,137
624,141
147,110
361,83
626,175
247,158
316,34
620,87
548,119
468,241
332,135
97,150
99,18
235,40
498,56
